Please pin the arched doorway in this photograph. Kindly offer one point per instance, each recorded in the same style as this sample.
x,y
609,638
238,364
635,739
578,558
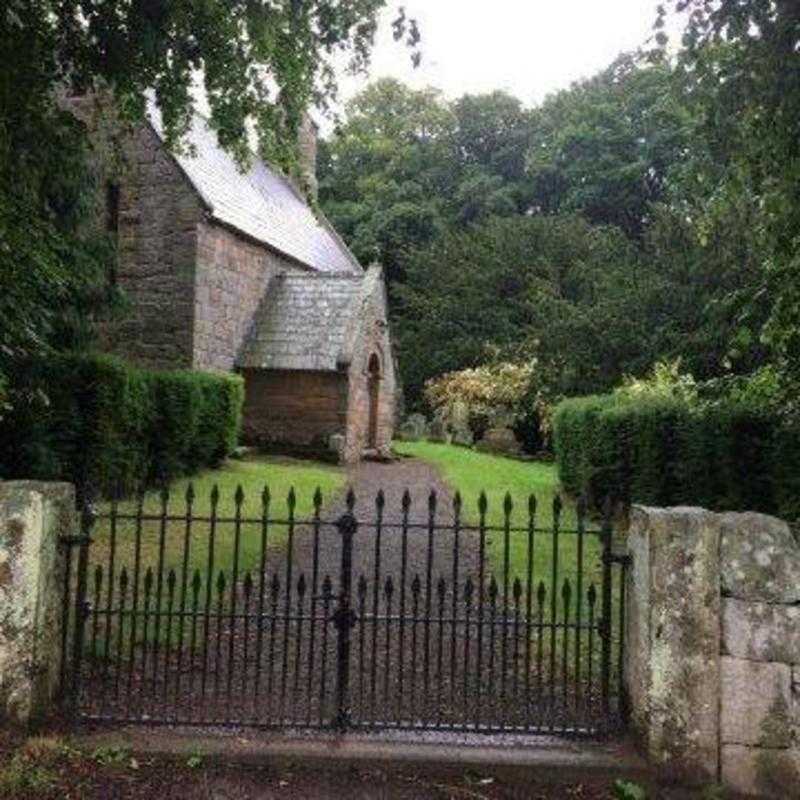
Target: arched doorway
x,y
374,386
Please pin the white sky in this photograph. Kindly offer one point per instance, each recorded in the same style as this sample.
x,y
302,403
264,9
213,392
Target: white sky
x,y
526,47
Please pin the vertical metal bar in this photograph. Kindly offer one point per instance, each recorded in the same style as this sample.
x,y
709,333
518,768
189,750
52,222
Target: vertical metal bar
x,y
566,597
88,517
389,594
416,588
508,506
262,579
248,596
275,588
605,631
298,646
361,591
218,651
237,543
380,501
112,555
515,657
582,504
490,688
592,601
406,505
137,568
529,597
344,618
482,505
212,532
327,595
196,586
187,532
454,622
162,535
123,591
65,618
148,592
554,598
441,591
428,597
95,608
172,579
287,605
541,596
312,650
468,591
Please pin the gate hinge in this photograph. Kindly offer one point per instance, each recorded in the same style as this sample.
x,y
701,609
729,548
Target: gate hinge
x,y
71,541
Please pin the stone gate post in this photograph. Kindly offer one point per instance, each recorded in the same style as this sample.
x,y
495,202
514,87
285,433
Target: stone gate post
x,y
713,648
32,517
673,640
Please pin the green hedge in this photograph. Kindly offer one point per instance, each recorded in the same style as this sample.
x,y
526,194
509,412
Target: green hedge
x,y
725,456
98,422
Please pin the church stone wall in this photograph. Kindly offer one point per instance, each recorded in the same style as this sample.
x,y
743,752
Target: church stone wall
x,y
156,240
232,277
285,409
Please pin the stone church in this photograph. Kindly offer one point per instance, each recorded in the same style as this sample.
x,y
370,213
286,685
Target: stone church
x,y
225,270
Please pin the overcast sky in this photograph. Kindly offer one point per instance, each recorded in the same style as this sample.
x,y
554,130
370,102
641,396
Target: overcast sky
x,y
526,47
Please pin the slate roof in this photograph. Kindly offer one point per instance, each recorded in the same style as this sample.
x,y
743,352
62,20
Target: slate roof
x,y
307,322
261,203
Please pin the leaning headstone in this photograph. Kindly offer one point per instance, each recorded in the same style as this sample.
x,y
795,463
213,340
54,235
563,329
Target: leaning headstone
x,y
438,431
501,441
336,445
413,428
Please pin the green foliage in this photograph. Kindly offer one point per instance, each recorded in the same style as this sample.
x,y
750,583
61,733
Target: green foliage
x,y
407,166
627,790
662,450
604,147
665,380
739,68
109,427
524,288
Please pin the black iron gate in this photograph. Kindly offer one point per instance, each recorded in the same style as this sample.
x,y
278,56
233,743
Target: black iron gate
x,y
378,619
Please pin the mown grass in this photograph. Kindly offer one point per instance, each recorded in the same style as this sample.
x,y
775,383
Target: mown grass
x,y
471,472
280,475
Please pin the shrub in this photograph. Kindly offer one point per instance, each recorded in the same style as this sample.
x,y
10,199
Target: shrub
x,y
722,455
495,395
102,424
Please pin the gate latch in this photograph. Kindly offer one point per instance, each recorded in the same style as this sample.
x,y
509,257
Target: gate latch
x,y
344,619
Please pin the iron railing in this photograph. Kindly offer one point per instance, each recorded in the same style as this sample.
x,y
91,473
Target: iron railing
x,y
363,620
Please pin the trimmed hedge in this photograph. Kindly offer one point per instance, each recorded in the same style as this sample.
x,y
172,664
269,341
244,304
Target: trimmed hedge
x,y
100,423
664,452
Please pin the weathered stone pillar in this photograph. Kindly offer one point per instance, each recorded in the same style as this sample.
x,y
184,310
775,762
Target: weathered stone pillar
x,y
673,640
32,517
760,718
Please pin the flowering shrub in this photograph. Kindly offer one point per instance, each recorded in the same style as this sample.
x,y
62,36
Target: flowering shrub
x,y
484,390
495,395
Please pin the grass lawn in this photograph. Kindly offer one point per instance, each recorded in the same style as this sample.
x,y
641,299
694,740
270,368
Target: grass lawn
x,y
472,472
279,474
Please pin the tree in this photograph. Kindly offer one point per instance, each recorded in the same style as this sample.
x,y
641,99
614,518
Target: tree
x,y
740,64
406,166
557,289
605,146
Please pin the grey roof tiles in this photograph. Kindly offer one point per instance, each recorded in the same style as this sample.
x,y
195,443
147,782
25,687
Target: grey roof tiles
x,y
305,322
260,203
